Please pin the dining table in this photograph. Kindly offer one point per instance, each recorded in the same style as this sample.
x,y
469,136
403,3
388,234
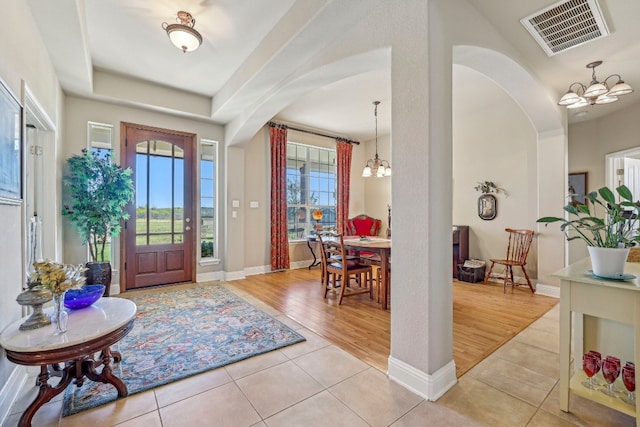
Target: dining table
x,y
379,246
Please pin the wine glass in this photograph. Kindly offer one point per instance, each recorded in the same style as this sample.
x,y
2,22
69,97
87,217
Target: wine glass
x,y
610,371
629,380
598,356
591,365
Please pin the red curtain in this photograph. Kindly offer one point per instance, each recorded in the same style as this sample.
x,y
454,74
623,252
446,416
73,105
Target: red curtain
x,y
279,231
343,151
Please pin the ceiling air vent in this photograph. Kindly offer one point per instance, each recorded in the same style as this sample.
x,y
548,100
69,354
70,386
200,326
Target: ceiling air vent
x,y
566,24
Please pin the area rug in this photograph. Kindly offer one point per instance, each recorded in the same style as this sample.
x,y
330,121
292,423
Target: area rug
x,y
183,332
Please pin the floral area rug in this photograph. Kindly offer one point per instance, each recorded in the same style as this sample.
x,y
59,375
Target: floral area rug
x,y
183,332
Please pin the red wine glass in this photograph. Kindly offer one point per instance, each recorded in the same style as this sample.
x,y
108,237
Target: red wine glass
x,y
598,356
590,366
610,371
629,380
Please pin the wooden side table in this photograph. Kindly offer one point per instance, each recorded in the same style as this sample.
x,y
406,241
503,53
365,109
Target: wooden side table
x,y
90,330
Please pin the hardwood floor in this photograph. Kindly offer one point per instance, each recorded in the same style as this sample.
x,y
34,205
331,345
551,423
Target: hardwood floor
x,y
483,317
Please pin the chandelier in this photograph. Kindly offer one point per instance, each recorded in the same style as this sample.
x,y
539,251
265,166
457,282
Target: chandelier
x,y
596,93
376,166
182,34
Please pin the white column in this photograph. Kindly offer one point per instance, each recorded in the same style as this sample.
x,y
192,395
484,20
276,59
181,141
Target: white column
x,y
421,317
552,169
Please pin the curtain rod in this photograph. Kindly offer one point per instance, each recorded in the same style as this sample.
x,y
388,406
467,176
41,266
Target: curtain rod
x,y
349,141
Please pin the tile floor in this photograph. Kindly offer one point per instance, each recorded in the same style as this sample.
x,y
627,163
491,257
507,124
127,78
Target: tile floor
x,y
316,384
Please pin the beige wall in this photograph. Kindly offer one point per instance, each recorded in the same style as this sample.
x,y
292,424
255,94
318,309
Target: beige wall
x,y
78,111
24,59
590,142
422,36
377,191
493,140
257,221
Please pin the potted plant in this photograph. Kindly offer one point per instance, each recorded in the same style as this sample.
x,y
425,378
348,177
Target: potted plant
x,y
609,228
98,190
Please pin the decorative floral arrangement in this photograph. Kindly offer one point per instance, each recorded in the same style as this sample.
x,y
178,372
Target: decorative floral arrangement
x,y
489,187
58,278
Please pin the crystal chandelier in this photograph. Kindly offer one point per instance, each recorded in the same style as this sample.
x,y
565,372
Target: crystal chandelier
x,y
596,93
376,166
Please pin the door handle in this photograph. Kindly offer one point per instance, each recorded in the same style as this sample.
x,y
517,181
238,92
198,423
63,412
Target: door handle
x,y
187,228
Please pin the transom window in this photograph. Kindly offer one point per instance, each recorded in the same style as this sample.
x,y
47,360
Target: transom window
x,y
311,185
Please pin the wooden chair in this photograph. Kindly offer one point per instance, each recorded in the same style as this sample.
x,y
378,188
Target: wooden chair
x,y
374,260
348,276
327,236
517,251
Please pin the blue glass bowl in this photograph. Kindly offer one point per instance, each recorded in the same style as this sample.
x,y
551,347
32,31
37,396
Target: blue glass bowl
x,y
83,297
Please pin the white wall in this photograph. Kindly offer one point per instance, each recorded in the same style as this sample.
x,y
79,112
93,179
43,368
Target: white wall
x,y
493,140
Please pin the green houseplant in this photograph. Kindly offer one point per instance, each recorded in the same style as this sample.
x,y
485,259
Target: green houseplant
x,y
603,222
98,191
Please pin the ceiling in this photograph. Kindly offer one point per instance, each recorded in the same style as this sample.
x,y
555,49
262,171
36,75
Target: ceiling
x,y
124,38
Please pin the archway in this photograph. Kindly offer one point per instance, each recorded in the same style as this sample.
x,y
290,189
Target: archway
x,y
550,125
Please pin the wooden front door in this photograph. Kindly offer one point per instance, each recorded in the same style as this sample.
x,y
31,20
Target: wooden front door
x,y
158,244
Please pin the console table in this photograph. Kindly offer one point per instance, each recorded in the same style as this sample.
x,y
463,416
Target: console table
x,y
460,246
582,294
316,261
90,330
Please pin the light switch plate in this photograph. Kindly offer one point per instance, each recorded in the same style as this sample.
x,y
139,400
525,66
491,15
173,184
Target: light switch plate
x,y
235,203
254,204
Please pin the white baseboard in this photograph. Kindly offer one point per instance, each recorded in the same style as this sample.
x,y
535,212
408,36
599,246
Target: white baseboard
x,y
209,276
547,290
430,387
10,391
541,288
261,269
234,275
252,271
300,264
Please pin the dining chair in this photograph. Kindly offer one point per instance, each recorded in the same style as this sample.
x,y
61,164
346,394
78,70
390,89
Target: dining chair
x,y
517,251
341,274
375,261
331,234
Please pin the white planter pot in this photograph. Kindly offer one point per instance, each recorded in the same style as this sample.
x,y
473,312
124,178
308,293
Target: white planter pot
x,y
608,262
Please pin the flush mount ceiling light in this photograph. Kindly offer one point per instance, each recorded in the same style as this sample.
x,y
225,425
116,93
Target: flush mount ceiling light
x,y
182,34
596,93
376,166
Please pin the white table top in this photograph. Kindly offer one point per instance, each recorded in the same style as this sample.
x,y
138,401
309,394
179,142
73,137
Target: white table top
x,y
371,242
578,272
104,316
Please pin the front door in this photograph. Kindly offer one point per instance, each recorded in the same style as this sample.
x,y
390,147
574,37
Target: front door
x,y
158,245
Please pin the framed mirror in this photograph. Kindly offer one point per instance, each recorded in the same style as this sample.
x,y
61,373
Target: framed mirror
x,y
487,207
